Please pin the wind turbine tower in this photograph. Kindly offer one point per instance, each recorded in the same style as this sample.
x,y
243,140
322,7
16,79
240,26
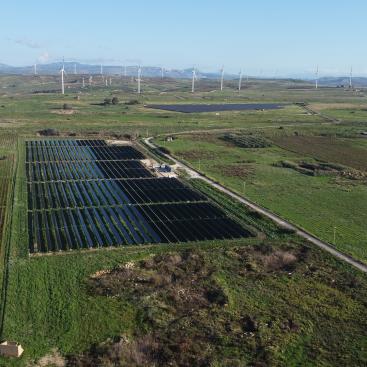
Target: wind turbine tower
x,y
139,79
75,69
317,77
240,81
35,69
101,70
193,80
351,77
162,72
62,71
221,78
83,83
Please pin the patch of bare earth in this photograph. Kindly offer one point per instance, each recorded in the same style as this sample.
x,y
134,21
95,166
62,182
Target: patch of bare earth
x,y
240,170
328,149
63,112
331,106
184,309
194,154
54,359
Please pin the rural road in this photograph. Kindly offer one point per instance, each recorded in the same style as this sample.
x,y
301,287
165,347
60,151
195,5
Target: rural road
x,y
302,233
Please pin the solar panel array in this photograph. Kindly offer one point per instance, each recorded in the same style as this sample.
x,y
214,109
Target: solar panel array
x,y
85,194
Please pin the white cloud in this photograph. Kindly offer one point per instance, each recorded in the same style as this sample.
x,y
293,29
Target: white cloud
x,y
44,57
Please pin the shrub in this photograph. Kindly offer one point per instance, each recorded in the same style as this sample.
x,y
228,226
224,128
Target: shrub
x,y
67,106
279,260
164,150
107,101
49,132
115,100
217,296
132,102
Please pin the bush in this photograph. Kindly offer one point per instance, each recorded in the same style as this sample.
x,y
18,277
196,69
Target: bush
x,y
67,106
107,101
49,132
115,100
217,296
132,102
164,150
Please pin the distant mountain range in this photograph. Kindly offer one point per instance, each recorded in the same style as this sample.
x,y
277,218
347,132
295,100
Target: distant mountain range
x,y
154,72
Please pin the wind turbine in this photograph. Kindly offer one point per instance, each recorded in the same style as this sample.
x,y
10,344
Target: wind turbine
x,y
75,69
35,69
62,71
317,77
240,81
83,83
139,79
162,72
221,78
193,80
101,70
90,80
350,77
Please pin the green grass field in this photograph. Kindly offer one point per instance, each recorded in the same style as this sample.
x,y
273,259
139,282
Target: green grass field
x,y
317,204
268,300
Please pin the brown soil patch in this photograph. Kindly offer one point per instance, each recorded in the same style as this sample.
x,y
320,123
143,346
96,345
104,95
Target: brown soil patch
x,y
194,154
54,359
338,106
63,112
185,308
265,259
327,149
240,170
178,294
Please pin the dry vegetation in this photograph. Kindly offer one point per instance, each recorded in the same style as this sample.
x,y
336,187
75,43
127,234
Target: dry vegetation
x,y
184,308
328,149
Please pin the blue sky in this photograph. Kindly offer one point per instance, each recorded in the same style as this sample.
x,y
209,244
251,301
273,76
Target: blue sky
x,y
260,36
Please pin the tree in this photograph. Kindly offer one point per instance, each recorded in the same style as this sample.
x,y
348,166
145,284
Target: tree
x,y
115,100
